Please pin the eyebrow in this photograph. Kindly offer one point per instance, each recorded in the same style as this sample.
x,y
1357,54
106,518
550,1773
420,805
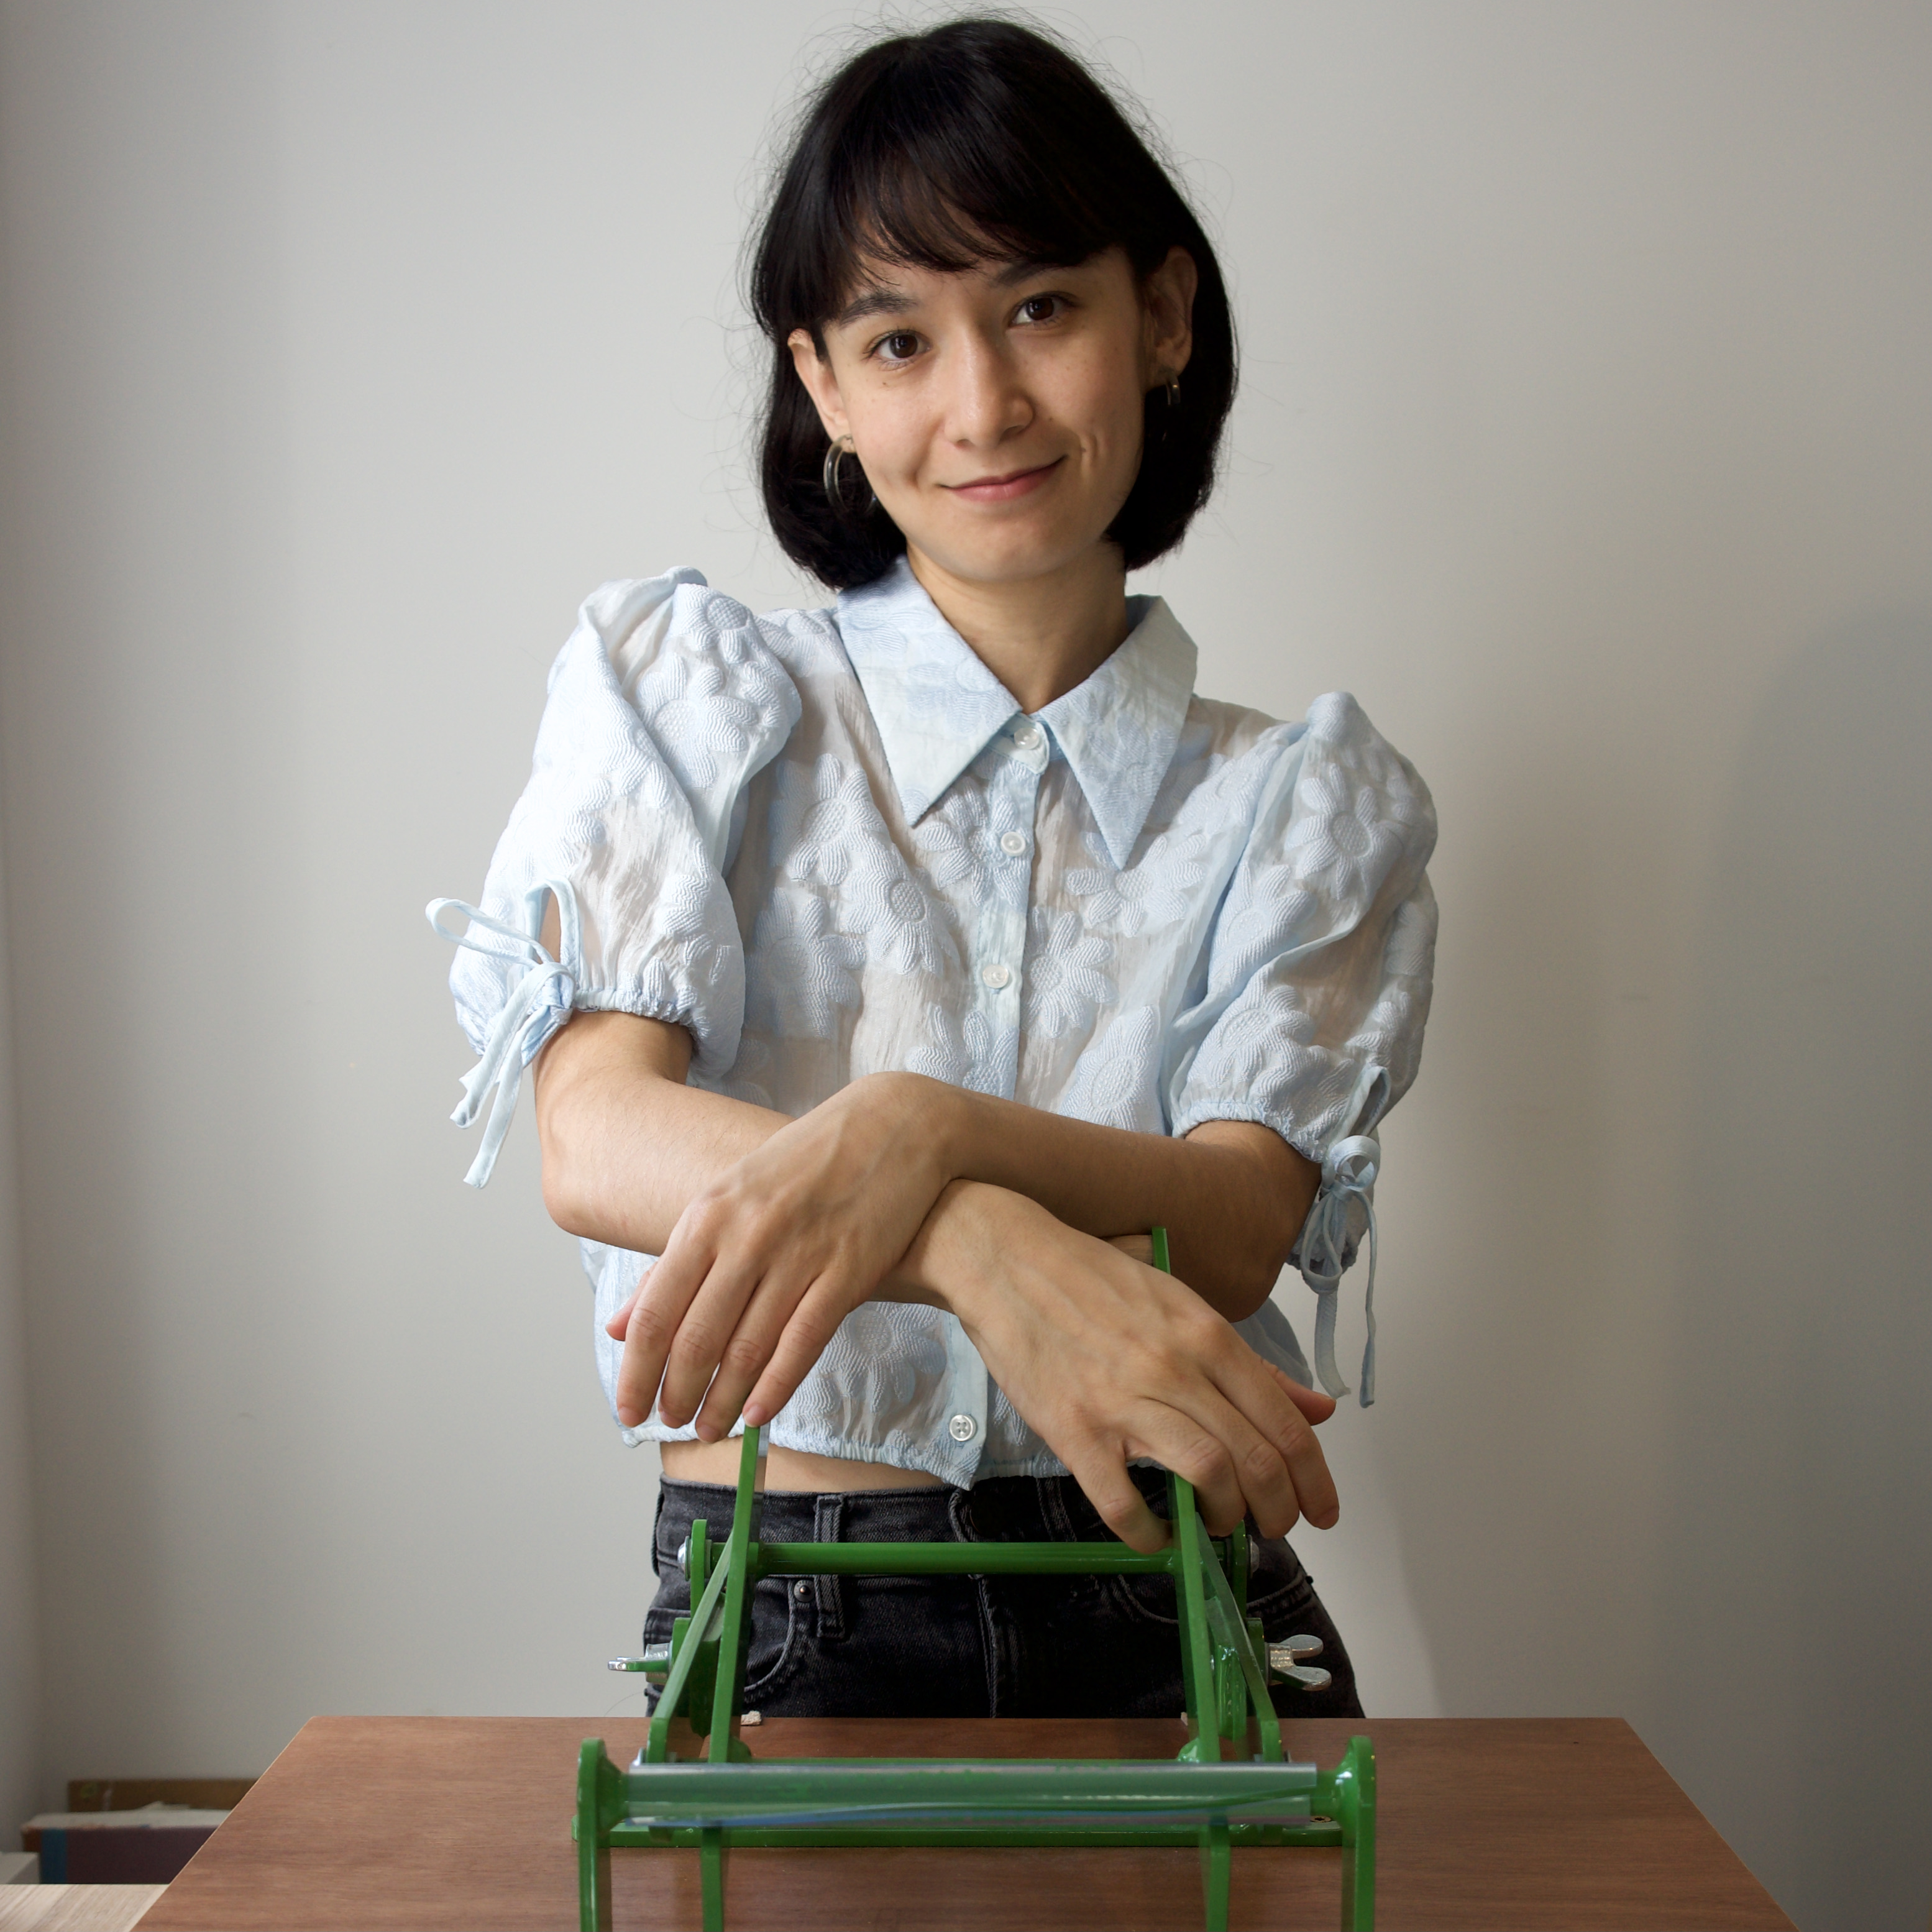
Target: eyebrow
x,y
874,301
877,300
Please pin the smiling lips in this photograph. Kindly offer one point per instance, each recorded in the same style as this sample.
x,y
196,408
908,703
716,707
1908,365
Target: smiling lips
x,y
1004,489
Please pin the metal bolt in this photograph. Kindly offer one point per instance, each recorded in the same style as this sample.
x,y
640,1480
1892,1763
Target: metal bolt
x,y
684,1556
655,1664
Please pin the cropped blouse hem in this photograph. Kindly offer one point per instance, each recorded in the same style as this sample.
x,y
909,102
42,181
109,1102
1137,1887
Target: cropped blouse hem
x,y
895,1450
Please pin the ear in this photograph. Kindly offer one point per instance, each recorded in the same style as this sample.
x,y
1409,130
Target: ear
x,y
1167,318
821,384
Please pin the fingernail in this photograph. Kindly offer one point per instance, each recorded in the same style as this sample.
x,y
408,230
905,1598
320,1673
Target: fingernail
x,y
755,1415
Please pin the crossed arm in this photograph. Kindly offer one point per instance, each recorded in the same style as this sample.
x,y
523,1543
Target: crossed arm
x,y
1030,1227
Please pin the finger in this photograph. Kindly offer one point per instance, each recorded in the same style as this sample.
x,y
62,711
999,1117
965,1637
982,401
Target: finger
x,y
1312,1402
1278,1406
702,1335
1249,1411
1100,1468
1262,1472
807,1334
1178,1440
746,1354
619,1325
656,1309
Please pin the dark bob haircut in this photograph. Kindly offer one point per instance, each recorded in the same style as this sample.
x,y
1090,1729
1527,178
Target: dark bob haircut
x,y
978,143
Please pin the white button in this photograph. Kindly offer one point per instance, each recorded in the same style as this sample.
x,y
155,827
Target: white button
x,y
1012,843
962,1429
995,977
1027,737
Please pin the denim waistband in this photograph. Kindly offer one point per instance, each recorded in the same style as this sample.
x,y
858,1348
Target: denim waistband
x,y
1000,1509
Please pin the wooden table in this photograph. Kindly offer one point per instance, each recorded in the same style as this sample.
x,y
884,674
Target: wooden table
x,y
74,1908
463,1825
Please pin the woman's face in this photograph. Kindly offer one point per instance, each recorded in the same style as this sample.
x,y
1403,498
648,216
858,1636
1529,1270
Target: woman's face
x,y
997,412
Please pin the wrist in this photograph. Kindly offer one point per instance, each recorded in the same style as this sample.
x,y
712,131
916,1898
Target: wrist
x,y
921,1116
958,1250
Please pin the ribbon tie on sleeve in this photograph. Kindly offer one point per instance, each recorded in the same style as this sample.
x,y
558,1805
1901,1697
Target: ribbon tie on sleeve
x,y
537,1005
1348,1175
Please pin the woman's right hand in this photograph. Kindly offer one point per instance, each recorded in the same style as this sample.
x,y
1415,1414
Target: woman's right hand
x,y
767,1259
1108,1359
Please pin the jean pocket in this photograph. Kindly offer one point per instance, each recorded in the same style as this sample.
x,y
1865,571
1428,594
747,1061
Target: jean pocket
x,y
1146,1599
779,1639
776,1652
1279,1588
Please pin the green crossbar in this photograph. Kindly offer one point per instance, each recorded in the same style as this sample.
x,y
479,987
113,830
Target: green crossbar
x,y
695,1785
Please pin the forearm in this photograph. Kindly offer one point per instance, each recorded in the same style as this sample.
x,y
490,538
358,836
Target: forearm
x,y
626,1144
1231,1196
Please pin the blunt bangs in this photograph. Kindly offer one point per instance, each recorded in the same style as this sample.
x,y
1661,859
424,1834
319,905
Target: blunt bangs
x,y
981,143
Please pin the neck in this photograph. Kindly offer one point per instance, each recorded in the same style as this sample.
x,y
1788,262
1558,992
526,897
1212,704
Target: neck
x,y
1044,635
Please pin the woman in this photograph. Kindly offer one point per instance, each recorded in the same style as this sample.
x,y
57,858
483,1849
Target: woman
x,y
921,954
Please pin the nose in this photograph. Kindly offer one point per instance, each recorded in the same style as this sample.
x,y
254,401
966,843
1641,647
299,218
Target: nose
x,y
986,400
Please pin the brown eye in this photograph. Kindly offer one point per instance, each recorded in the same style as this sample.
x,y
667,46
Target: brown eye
x,y
901,345
1039,308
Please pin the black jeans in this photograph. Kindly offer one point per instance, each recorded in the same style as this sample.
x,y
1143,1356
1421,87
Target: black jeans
x,y
974,1646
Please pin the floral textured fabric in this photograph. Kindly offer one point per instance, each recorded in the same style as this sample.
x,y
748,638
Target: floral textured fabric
x,y
829,843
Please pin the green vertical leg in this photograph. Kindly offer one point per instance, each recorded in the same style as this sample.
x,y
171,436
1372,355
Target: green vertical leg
x,y
1231,1691
1190,1602
1355,1785
734,1639
1215,1861
671,1729
711,1876
1185,1553
599,1800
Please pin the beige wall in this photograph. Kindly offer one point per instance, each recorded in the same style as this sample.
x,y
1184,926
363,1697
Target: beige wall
x,y
1584,435
20,1767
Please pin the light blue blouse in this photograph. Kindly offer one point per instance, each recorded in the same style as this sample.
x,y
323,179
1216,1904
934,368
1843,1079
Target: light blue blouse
x,y
829,843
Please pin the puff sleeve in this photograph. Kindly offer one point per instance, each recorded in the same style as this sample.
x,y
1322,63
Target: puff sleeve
x,y
663,705
1318,982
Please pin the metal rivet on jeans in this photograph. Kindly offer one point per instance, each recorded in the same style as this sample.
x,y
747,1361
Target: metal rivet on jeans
x,y
801,1589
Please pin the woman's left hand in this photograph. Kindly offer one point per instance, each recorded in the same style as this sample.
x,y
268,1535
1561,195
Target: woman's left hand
x,y
764,1264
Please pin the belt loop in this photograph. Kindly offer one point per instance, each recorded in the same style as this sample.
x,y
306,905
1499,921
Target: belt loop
x,y
828,1514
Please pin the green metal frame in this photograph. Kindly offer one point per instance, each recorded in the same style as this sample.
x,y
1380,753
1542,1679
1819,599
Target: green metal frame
x,y
696,1785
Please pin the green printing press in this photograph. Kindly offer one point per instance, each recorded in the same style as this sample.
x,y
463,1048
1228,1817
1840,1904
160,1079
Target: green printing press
x,y
1229,1785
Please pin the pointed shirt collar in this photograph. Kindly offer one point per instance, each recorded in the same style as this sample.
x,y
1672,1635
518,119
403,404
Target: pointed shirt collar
x,y
938,707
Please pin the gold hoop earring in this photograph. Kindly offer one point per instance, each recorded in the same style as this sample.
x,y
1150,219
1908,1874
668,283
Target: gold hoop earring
x,y
1174,392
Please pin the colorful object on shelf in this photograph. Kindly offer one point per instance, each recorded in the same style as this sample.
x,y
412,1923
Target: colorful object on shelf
x,y
696,1784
